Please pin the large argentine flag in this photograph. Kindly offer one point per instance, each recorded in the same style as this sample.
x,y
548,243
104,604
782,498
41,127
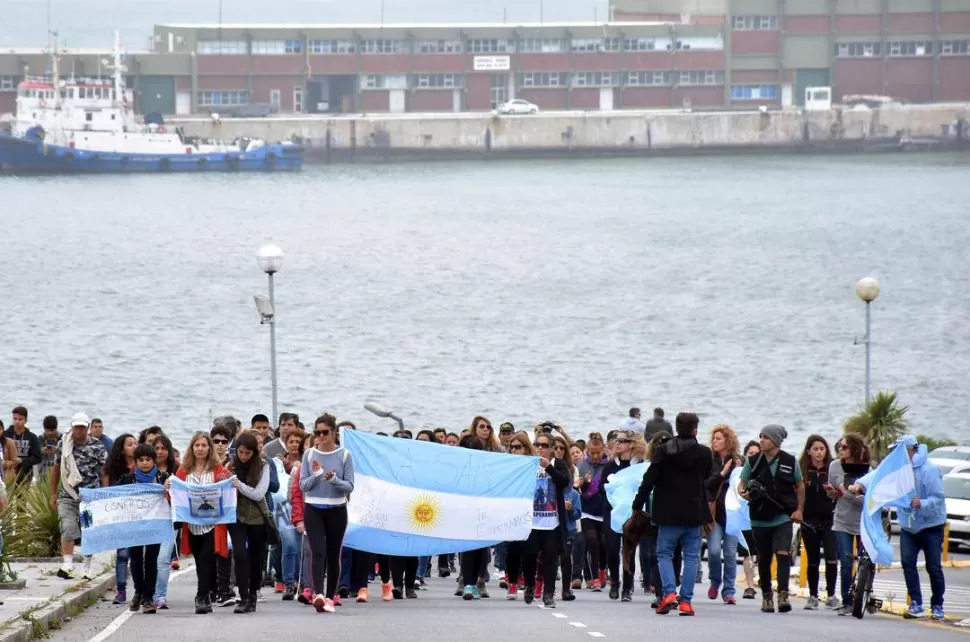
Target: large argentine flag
x,y
204,504
736,511
123,516
891,484
419,498
621,489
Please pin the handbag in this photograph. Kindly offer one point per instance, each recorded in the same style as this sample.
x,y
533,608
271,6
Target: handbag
x,y
272,530
712,509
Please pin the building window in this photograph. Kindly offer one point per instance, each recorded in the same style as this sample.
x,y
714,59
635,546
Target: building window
x,y
593,45
437,81
8,83
221,48
596,79
240,97
857,49
320,46
705,77
383,82
490,45
542,79
755,23
648,78
954,47
268,47
294,46
910,48
639,44
438,46
754,92
384,47
346,46
541,45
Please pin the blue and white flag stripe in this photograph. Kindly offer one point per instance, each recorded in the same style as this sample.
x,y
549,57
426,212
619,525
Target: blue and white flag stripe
x,y
621,489
123,516
419,498
736,511
891,484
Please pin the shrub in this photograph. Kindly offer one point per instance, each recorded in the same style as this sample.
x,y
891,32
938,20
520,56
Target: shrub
x,y
30,525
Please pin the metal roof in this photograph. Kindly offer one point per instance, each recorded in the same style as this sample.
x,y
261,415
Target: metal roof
x,y
423,25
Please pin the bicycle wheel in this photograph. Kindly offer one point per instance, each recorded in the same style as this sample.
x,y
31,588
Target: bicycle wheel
x,y
862,589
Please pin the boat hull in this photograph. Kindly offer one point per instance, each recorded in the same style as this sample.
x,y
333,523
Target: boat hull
x,y
27,156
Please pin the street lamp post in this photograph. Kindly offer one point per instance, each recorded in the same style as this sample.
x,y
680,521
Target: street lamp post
x,y
867,289
270,260
384,413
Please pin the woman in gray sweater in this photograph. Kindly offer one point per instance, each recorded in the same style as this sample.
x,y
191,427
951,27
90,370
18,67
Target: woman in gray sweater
x,y
853,463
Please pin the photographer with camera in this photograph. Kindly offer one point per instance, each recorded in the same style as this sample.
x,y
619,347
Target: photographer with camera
x,y
678,477
771,481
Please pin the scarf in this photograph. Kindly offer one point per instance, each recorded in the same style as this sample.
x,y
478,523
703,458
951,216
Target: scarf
x,y
70,475
146,478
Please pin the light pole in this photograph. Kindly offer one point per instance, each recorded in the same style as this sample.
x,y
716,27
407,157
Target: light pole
x,y
384,413
867,289
270,260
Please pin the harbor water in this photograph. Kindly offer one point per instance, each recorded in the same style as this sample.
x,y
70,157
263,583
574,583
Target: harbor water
x,y
525,291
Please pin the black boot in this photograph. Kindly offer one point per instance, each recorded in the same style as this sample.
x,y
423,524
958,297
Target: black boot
x,y
242,606
200,607
251,604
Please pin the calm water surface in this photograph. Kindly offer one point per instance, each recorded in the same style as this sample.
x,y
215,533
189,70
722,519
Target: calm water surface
x,y
524,291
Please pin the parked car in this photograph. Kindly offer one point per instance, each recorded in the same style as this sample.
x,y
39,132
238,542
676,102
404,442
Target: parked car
x,y
956,489
948,466
518,106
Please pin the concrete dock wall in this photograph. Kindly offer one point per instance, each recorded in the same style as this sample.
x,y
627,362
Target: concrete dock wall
x,y
616,132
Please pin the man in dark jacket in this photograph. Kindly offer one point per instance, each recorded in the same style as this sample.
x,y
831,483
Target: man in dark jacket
x,y
677,476
657,424
28,446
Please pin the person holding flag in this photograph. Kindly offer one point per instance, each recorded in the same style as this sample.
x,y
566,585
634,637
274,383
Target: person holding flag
x,y
909,481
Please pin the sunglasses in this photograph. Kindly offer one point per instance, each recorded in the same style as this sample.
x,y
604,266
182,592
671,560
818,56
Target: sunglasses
x,y
517,447
843,447
321,433
542,444
220,441
486,426
623,441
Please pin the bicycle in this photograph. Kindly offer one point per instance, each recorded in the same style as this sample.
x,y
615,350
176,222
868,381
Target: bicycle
x,y
862,600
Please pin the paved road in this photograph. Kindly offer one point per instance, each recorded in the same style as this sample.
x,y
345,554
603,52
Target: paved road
x,y
438,617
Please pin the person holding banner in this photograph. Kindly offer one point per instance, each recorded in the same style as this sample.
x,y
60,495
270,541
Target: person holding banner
x,y
78,463
249,533
326,479
203,541
144,559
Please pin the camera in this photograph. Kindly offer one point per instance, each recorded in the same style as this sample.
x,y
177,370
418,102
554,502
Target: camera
x,y
756,490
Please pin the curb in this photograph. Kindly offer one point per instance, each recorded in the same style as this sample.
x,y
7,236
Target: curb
x,y
895,566
25,629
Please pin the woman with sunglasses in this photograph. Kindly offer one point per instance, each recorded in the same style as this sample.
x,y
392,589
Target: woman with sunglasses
x,y
482,428
326,479
622,458
548,537
853,463
519,444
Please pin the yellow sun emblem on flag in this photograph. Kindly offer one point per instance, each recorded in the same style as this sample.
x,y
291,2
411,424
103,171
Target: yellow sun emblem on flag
x,y
423,513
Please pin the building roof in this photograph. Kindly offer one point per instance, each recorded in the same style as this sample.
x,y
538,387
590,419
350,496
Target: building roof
x,y
401,25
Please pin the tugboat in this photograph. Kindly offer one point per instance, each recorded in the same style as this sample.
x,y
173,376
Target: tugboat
x,y
79,125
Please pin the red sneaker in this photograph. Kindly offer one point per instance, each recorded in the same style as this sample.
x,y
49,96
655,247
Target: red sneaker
x,y
685,609
712,593
538,590
602,578
305,597
513,592
319,602
336,600
730,600
278,587
669,602
596,586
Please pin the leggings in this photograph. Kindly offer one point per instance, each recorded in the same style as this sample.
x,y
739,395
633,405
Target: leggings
x,y
360,562
566,564
404,572
595,545
325,529
249,555
812,540
471,565
384,565
525,555
203,550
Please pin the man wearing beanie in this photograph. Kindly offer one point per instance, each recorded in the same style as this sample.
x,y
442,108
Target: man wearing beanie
x,y
771,481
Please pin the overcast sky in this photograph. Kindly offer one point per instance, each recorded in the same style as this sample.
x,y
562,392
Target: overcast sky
x,y
91,23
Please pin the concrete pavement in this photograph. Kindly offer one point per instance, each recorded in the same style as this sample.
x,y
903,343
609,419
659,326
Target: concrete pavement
x,y
437,616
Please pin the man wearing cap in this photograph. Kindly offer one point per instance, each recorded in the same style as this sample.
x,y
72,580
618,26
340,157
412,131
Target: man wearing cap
x,y
78,463
505,432
771,481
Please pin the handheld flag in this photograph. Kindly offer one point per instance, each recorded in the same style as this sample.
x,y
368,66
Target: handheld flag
x,y
738,516
416,498
621,489
123,516
891,484
204,504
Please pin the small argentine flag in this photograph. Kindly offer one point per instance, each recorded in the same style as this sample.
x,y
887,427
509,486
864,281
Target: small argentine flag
x,y
892,483
124,516
416,498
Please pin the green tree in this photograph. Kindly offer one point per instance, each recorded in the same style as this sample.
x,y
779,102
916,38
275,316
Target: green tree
x,y
879,423
932,443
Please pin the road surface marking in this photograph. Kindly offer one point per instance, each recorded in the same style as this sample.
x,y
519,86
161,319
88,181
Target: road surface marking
x,y
559,615
578,625
119,621
596,634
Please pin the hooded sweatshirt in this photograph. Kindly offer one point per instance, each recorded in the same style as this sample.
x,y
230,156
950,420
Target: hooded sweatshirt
x,y
28,449
678,477
593,500
929,489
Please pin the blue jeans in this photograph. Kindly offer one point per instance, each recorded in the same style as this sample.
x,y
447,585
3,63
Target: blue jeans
x,y
845,541
423,564
346,561
501,550
721,545
164,568
121,570
290,545
689,537
930,541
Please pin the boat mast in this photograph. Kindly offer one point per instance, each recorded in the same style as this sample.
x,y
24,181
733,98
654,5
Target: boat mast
x,y
118,68
55,72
